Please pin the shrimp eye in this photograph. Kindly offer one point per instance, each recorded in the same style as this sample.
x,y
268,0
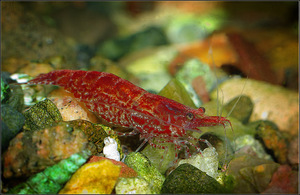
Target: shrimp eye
x,y
202,108
189,116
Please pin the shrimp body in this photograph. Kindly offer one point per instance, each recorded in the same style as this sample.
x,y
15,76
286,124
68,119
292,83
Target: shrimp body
x,y
120,102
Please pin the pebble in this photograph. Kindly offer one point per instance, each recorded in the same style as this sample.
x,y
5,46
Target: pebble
x,y
135,185
34,69
53,178
93,178
274,142
189,180
94,132
247,144
125,170
293,152
284,181
69,107
250,173
11,123
110,149
160,158
207,161
271,102
31,152
222,144
143,167
41,115
191,69
242,110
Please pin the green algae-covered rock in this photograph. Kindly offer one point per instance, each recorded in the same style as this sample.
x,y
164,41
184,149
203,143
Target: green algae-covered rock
x,y
94,133
52,179
243,108
188,179
143,167
134,185
42,115
12,118
11,123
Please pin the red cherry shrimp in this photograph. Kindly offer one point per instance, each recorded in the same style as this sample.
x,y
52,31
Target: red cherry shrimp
x,y
120,102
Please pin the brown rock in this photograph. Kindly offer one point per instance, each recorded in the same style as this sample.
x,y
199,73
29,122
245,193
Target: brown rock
x,y
30,152
293,151
275,141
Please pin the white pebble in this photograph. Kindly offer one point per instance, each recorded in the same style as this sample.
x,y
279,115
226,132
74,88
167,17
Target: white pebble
x,y
110,149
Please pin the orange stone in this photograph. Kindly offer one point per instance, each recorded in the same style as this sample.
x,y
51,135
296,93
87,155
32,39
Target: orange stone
x,y
125,170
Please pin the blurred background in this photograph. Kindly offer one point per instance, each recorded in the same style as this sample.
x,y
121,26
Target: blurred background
x,y
254,39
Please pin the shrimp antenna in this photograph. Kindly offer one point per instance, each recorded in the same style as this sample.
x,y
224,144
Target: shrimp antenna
x,y
222,103
210,53
234,144
237,99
